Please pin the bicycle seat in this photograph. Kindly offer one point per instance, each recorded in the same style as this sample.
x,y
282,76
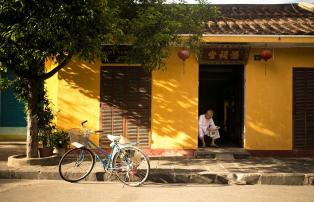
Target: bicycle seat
x,y
113,138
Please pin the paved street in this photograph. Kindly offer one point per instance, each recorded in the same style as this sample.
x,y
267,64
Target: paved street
x,y
50,190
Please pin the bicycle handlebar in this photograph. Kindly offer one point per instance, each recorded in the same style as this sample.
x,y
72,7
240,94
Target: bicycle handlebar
x,y
83,122
88,131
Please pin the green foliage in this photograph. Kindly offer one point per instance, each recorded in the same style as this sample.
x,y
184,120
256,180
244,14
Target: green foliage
x,y
32,31
153,27
20,89
5,83
60,138
45,139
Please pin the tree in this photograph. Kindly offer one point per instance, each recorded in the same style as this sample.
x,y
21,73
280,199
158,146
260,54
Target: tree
x,y
31,31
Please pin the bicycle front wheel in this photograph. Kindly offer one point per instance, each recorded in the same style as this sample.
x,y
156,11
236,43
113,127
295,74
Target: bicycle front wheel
x,y
76,164
131,166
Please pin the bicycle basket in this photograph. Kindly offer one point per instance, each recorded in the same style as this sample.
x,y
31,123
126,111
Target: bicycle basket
x,y
77,135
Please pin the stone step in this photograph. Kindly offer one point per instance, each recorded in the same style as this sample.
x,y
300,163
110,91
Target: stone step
x,y
224,157
222,153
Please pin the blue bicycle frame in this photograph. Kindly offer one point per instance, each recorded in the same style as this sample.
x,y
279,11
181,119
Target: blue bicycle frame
x,y
109,157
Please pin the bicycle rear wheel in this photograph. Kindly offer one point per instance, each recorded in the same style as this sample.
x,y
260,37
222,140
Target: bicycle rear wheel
x,y
131,166
76,164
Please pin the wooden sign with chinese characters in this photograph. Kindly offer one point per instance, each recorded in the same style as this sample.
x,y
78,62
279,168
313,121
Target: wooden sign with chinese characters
x,y
226,54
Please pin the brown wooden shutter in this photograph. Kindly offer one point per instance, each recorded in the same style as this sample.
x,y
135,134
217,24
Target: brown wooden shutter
x,y
126,104
303,108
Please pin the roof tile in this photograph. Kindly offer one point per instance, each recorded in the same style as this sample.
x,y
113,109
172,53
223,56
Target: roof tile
x,y
283,19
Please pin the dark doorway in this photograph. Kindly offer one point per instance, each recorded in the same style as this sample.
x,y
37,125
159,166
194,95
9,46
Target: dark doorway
x,y
221,88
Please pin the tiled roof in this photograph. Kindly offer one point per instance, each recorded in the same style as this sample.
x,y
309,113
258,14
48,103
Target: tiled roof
x,y
284,19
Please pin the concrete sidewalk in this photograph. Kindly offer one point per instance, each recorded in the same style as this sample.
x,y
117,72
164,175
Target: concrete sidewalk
x,y
251,170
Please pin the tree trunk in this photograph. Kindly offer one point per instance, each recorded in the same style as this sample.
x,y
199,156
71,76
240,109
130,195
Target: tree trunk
x,y
32,118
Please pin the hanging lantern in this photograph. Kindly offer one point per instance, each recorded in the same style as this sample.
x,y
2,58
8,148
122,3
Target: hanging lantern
x,y
266,54
183,54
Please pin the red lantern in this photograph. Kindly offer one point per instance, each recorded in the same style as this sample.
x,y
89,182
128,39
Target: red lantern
x,y
183,54
266,54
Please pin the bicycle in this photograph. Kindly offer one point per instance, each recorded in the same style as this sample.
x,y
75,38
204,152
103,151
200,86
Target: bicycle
x,y
125,160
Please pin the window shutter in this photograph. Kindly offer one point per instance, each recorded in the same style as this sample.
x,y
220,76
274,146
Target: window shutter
x,y
303,108
126,104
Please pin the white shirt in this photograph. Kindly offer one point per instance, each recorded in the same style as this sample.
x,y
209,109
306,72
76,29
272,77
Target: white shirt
x,y
205,123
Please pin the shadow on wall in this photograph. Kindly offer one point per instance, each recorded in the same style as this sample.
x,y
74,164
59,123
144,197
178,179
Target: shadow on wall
x,y
83,77
175,105
78,94
261,136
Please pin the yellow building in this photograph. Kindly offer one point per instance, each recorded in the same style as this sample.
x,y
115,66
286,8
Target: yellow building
x,y
264,106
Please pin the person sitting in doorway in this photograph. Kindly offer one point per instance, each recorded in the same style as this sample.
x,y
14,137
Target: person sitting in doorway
x,y
206,126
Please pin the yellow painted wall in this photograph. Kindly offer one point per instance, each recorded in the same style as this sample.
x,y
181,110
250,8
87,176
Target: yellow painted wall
x,y
268,97
77,98
175,104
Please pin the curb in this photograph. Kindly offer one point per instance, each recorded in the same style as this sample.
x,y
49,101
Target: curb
x,y
182,176
20,160
233,178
